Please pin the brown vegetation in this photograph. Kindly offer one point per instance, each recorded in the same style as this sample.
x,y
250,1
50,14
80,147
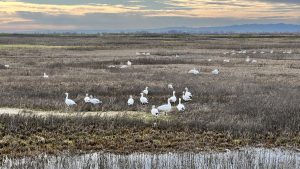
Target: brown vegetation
x,y
246,101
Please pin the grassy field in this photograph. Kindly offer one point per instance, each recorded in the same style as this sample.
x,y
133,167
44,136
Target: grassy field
x,y
253,102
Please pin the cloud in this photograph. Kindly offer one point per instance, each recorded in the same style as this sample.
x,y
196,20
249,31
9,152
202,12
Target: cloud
x,y
111,14
14,7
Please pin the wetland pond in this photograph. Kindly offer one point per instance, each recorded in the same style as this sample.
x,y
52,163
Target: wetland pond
x,y
236,159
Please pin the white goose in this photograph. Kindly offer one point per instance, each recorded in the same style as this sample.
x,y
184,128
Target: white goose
x,y
185,97
170,86
143,99
94,101
146,91
130,101
215,72
173,98
165,107
187,93
68,101
247,59
180,107
87,98
6,66
45,76
194,71
254,61
129,63
123,66
154,111
226,60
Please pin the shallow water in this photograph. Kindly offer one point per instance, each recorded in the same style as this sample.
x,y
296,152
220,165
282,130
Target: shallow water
x,y
245,158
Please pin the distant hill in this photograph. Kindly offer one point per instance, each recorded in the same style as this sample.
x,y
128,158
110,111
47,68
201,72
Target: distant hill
x,y
245,28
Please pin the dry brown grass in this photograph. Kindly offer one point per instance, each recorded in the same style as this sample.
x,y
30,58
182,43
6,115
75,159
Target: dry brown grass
x,y
245,99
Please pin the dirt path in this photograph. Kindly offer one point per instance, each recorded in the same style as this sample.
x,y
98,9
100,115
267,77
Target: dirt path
x,y
15,111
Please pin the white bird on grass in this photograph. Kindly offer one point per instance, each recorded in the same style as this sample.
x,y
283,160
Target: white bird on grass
x,y
68,101
165,107
123,66
173,98
180,107
226,60
6,66
170,86
247,59
215,72
187,93
209,60
87,98
271,51
45,76
129,63
194,71
143,99
185,97
154,111
254,61
146,91
130,101
94,101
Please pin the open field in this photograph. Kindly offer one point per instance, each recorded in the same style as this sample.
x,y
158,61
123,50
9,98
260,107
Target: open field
x,y
246,104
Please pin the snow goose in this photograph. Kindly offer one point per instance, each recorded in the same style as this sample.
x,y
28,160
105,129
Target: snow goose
x,y
180,107
94,101
215,72
130,101
45,76
111,66
185,97
247,59
87,98
165,107
146,91
154,111
271,51
254,61
170,86
129,63
6,66
123,66
173,98
143,99
187,93
209,60
194,71
226,60
68,101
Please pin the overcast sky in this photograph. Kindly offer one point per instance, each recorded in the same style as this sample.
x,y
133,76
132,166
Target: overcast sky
x,y
22,15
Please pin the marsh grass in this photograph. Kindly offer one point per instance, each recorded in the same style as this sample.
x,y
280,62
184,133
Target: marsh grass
x,y
244,100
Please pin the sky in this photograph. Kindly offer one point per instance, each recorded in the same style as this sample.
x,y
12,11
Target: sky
x,y
28,15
